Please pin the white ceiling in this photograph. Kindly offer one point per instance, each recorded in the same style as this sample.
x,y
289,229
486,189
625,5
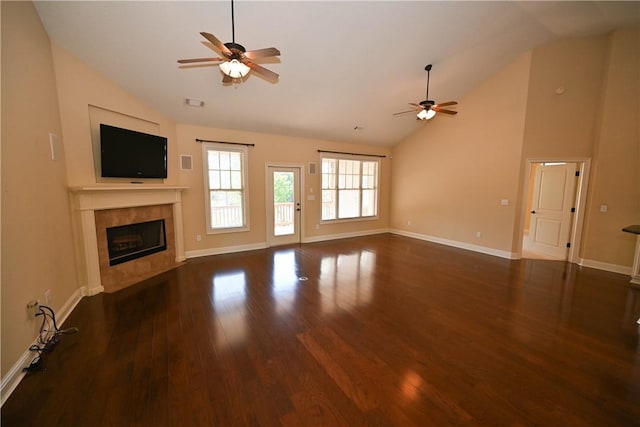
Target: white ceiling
x,y
343,64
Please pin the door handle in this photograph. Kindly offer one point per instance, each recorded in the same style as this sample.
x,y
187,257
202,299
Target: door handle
x,y
533,212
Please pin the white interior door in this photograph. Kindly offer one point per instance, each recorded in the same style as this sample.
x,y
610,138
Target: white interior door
x,y
283,205
551,209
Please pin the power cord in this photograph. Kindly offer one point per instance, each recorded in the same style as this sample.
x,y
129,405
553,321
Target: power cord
x,y
48,337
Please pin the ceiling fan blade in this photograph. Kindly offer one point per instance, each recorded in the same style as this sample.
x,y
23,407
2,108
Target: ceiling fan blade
x,y
416,105
262,53
189,61
404,112
440,110
226,78
199,65
446,104
217,43
267,74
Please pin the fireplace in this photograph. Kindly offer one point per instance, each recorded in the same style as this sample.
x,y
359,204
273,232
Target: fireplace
x,y
131,241
105,206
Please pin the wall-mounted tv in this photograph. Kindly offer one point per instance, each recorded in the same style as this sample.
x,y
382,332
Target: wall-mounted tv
x,y
126,153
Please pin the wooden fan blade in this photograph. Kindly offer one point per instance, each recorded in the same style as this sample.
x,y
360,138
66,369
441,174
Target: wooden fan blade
x,y
217,43
446,104
198,65
440,110
226,78
416,105
262,53
404,112
267,74
189,61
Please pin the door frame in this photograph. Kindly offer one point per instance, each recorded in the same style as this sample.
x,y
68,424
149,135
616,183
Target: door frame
x,y
267,190
577,225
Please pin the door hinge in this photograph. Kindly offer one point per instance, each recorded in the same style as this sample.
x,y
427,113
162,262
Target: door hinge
x,y
573,210
569,244
577,173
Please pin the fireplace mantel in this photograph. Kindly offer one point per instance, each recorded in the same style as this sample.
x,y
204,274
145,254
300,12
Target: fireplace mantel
x,y
86,200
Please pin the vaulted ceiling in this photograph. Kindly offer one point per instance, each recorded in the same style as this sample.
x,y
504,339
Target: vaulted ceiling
x,y
345,67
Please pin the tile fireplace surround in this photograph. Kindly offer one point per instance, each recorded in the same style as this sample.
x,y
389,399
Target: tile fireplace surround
x,y
87,201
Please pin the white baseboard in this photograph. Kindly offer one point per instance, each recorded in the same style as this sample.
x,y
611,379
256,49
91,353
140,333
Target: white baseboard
x,y
326,237
13,377
264,245
89,292
225,250
613,268
456,244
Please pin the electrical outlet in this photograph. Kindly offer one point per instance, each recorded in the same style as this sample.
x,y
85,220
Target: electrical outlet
x,y
478,234
198,237
33,308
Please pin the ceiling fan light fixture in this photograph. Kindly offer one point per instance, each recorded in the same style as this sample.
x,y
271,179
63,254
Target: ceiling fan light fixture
x,y
234,69
426,114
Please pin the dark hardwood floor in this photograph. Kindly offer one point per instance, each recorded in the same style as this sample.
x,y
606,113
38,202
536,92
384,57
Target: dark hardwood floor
x,y
386,331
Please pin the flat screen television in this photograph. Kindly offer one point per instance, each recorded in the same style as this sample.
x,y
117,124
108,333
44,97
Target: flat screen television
x,y
126,153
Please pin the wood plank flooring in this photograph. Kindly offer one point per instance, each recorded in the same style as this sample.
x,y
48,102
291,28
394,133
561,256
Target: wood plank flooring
x,y
385,331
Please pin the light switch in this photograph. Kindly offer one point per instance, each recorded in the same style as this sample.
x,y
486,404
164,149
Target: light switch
x,y
504,202
603,208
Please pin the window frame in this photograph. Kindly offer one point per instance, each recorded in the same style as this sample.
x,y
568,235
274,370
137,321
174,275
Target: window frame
x,y
244,159
361,159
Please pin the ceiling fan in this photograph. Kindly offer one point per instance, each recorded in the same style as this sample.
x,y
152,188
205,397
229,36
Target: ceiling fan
x,y
427,109
236,61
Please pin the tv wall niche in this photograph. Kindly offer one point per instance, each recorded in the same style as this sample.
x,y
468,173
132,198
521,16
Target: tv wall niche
x,y
98,115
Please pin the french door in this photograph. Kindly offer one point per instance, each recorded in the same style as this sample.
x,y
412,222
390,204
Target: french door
x,y
283,205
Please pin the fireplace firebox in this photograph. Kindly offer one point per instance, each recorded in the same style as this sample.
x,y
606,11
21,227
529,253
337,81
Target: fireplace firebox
x,y
131,241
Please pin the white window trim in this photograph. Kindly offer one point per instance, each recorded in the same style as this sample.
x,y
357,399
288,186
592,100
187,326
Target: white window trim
x,y
362,159
206,146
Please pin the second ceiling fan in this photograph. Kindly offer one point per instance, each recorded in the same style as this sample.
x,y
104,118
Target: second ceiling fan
x,y
236,61
427,109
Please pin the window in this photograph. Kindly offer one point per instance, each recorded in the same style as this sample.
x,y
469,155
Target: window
x,y
349,188
225,187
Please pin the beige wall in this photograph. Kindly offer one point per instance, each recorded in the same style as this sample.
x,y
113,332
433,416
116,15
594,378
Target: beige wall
x,y
449,178
277,149
36,225
564,125
616,166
